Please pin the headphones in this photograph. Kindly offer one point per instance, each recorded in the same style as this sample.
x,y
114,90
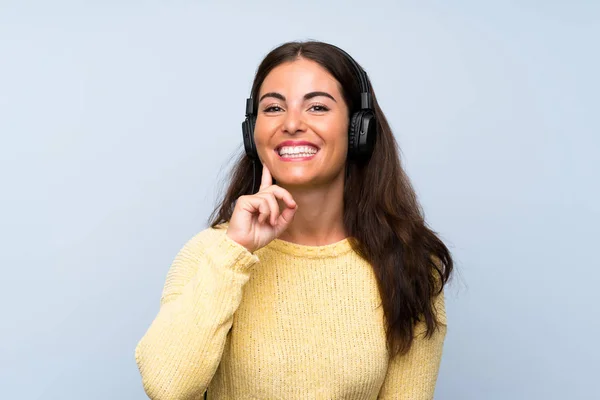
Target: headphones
x,y
362,125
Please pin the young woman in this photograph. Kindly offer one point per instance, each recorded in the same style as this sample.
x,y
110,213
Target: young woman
x,y
325,283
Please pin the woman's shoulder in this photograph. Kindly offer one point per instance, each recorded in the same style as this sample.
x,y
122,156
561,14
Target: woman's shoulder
x,y
207,236
210,241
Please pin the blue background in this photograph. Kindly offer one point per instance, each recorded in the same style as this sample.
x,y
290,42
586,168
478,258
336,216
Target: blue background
x,y
118,121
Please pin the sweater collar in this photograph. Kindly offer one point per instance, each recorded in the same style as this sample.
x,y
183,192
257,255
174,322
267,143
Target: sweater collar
x,y
329,250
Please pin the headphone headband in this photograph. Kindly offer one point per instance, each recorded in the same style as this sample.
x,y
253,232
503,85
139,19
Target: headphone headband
x,y
249,106
366,99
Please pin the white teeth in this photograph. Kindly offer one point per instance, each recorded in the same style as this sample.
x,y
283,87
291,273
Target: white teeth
x,y
297,151
300,155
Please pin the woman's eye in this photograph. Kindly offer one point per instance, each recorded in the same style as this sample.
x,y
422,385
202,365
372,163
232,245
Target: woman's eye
x,y
273,109
319,108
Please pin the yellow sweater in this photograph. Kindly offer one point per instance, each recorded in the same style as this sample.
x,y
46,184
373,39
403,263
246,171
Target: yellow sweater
x,y
286,322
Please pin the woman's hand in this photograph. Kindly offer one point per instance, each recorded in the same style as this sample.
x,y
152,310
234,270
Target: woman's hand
x,y
256,218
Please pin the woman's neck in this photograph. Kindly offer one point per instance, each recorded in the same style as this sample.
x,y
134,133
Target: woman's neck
x,y
320,217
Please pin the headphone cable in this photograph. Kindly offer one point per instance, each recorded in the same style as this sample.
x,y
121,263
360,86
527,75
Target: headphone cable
x,y
253,175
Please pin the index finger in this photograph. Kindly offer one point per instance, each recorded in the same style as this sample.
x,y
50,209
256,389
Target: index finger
x,y
266,180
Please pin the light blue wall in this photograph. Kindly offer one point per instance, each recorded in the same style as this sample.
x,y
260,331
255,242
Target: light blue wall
x,y
118,118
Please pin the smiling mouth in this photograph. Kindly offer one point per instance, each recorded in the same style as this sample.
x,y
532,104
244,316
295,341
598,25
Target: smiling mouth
x,y
298,154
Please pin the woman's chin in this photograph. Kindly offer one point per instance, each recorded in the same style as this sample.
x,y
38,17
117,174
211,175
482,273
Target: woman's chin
x,y
302,179
293,181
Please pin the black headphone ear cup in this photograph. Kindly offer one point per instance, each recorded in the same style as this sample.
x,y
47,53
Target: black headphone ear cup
x,y
353,131
362,134
366,141
248,136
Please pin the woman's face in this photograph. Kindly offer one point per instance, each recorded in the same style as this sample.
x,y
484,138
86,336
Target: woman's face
x,y
299,101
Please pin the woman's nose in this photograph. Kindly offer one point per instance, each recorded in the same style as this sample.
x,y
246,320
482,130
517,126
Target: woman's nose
x,y
293,122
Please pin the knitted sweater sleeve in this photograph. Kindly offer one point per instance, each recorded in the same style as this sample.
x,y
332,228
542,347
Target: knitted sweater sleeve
x,y
181,350
413,375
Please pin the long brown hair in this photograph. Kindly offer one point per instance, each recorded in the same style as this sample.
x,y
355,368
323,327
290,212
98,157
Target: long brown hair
x,y
382,216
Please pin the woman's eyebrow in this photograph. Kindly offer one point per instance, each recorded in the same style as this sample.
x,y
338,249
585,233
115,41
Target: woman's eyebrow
x,y
310,95
272,94
307,96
